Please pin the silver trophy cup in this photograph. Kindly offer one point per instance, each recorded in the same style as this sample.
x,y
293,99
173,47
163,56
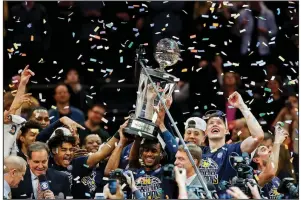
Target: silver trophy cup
x,y
142,123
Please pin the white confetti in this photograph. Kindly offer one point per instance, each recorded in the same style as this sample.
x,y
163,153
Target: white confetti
x,y
119,81
104,120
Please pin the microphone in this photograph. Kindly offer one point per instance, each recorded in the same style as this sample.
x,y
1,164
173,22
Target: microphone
x,y
212,189
43,182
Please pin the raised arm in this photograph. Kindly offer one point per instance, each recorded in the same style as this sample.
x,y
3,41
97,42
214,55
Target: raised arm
x,y
100,155
257,134
114,160
134,154
15,108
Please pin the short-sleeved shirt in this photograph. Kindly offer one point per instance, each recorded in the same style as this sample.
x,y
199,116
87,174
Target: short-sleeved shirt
x,y
270,189
215,164
84,185
149,183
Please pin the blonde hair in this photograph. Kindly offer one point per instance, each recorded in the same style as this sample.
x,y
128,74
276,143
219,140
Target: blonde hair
x,y
195,150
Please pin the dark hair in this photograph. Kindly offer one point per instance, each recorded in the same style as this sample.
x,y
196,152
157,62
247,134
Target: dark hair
x,y
25,128
59,138
61,84
97,105
36,146
36,108
215,113
269,136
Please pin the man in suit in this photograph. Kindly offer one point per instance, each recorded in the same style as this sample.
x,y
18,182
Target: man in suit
x,y
37,160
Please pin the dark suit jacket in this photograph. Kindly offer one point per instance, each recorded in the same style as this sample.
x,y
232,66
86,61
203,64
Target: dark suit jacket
x,y
58,183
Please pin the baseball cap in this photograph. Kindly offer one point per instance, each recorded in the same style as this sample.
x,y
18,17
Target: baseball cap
x,y
196,122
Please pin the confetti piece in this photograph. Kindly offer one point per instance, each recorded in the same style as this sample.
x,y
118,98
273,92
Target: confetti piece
x,y
121,59
77,178
278,11
262,114
51,117
192,36
69,197
119,81
90,70
130,45
196,107
267,90
87,194
104,120
31,38
96,29
281,58
92,59
184,70
87,166
243,30
53,107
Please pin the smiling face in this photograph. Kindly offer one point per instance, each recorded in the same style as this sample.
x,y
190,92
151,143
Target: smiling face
x,y
64,154
216,128
38,163
151,155
194,135
41,117
92,143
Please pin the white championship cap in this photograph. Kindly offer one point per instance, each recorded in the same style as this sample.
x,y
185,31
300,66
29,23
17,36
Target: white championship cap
x,y
196,122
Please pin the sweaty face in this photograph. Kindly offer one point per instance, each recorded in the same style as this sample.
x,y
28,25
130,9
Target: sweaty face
x,y
29,137
182,161
64,155
92,143
38,163
151,155
96,114
62,94
18,176
41,117
216,128
194,136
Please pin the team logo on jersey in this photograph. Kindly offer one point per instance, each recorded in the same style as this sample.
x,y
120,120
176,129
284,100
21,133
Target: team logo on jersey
x,y
150,187
13,129
209,169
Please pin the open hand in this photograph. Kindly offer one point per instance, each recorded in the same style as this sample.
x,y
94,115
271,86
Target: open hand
x,y
72,125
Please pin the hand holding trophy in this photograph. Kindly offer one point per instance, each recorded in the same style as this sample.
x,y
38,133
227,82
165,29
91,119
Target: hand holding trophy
x,y
142,123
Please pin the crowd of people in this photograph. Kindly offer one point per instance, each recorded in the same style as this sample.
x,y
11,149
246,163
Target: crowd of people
x,y
235,104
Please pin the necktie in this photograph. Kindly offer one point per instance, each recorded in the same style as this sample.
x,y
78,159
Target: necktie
x,y
38,190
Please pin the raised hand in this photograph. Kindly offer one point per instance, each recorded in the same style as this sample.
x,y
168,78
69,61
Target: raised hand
x,y
25,75
72,125
280,133
236,100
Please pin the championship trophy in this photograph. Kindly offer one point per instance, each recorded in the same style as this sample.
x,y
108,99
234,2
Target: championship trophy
x,y
142,122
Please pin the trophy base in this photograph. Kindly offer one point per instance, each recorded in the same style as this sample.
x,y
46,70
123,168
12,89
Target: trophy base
x,y
141,127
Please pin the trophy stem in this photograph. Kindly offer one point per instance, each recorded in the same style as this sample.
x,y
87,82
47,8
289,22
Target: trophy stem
x,y
199,175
